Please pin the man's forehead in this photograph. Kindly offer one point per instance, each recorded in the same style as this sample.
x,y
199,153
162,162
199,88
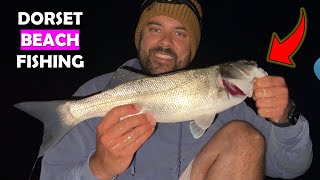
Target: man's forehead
x,y
165,20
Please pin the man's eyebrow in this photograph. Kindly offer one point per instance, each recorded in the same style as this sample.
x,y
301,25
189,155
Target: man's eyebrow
x,y
181,28
153,23
159,24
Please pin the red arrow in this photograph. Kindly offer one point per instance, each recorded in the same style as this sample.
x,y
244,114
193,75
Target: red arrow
x,y
281,52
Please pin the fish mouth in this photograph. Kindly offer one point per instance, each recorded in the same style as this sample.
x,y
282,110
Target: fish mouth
x,y
232,89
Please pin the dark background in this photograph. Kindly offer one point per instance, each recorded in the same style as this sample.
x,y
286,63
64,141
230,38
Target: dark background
x,y
232,30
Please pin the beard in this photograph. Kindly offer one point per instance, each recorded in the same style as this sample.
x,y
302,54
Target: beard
x,y
151,65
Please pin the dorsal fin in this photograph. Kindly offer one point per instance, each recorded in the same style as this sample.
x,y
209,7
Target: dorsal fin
x,y
125,74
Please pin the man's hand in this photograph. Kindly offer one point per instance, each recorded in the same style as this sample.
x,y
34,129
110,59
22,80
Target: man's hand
x,y
117,141
272,98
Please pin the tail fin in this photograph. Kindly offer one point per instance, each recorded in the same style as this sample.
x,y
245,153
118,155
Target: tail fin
x,y
52,114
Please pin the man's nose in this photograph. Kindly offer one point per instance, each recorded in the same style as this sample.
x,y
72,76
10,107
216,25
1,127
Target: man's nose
x,y
166,40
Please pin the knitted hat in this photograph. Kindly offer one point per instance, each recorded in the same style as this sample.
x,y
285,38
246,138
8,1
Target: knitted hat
x,y
179,12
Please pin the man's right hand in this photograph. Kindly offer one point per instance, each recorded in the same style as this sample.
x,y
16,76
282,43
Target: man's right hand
x,y
117,141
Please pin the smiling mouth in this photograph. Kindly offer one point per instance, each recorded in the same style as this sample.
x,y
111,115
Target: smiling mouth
x,y
232,89
163,56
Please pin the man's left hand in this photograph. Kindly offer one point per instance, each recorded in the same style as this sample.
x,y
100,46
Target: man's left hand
x,y
271,96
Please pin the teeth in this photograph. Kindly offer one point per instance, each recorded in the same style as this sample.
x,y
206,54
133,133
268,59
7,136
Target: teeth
x,y
164,56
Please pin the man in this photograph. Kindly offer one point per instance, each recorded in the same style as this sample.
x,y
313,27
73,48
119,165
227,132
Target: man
x,y
238,145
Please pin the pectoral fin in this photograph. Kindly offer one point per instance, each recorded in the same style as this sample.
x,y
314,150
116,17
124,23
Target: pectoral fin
x,y
200,125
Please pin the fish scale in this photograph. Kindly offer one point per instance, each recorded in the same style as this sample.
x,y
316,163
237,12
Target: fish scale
x,y
195,95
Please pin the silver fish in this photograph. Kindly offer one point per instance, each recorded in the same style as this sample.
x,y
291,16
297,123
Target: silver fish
x,y
195,95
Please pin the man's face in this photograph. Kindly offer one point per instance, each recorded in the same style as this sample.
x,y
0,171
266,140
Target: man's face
x,y
164,46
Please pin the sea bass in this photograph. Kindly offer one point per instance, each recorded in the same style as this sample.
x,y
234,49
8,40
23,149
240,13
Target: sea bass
x,y
195,95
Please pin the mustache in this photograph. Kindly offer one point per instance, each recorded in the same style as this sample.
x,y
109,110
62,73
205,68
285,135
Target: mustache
x,y
168,51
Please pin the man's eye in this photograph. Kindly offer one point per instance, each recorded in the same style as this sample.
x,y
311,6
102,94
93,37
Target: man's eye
x,y
154,30
181,34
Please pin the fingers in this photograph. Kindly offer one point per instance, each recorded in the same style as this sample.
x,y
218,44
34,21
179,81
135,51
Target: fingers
x,y
271,102
114,115
267,112
132,123
117,135
269,92
135,145
268,81
269,86
272,97
118,140
134,133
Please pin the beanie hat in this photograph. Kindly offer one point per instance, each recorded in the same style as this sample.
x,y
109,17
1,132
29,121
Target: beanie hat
x,y
180,12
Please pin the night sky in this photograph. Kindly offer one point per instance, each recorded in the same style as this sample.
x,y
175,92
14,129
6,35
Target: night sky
x,y
231,30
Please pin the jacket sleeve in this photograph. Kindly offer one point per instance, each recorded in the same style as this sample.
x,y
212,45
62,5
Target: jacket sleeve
x,y
288,149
